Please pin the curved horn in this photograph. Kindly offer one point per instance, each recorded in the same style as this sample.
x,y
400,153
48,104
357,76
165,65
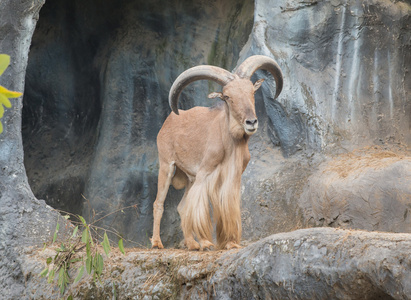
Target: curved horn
x,y
256,62
215,74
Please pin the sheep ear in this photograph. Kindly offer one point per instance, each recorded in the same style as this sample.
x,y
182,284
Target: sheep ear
x,y
257,84
215,95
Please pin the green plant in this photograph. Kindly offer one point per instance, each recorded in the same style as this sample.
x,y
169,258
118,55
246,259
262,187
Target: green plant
x,y
5,94
71,251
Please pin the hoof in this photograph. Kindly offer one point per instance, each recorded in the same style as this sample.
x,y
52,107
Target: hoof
x,y
232,245
192,245
182,244
156,244
206,245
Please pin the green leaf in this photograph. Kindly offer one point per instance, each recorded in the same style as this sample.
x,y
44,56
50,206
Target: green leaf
x,y
89,263
1,111
106,244
74,232
55,232
70,297
74,260
49,260
63,279
52,273
8,93
62,248
44,272
114,291
85,236
99,264
88,250
61,276
4,100
121,246
79,275
82,220
4,62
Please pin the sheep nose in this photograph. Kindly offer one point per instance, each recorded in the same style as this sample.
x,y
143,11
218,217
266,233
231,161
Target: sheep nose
x,y
252,122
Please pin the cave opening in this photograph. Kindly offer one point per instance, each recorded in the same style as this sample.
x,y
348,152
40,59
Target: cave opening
x,y
95,98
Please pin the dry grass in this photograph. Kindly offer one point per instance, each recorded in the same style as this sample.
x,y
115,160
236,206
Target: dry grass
x,y
361,159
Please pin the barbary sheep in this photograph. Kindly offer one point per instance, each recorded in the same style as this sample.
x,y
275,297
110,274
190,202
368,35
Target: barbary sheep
x,y
205,151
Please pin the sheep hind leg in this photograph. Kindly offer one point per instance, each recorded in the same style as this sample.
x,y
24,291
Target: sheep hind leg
x,y
165,175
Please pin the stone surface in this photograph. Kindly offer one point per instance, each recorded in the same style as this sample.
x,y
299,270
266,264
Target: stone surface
x,y
318,263
93,110
346,67
347,86
368,189
95,92
96,96
24,220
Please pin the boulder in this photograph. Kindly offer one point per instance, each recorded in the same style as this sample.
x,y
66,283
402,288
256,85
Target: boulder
x,y
96,75
367,189
317,263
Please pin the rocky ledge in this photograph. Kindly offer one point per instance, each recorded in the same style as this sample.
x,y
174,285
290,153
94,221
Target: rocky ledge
x,y
317,263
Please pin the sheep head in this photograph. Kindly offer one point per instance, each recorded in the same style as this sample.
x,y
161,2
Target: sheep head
x,y
238,90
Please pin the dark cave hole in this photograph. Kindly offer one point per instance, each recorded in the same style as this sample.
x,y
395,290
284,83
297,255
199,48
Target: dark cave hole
x,y
95,97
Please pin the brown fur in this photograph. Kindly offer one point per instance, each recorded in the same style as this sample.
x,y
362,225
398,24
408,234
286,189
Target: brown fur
x,y
211,173
206,151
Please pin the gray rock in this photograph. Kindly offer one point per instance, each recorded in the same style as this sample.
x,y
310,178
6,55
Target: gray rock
x,y
318,263
95,95
325,264
97,85
24,220
345,65
362,190
340,94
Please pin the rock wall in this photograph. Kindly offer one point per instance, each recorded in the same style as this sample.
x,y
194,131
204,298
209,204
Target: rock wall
x,y
95,87
346,66
344,89
366,189
96,97
93,110
24,220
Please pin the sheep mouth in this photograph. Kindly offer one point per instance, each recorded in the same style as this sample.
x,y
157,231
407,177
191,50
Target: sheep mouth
x,y
250,131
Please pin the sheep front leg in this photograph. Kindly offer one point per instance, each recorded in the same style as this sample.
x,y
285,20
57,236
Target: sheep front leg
x,y
195,216
165,175
227,213
189,240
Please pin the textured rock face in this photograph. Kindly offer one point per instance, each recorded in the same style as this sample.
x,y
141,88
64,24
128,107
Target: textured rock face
x,y
364,190
95,96
93,111
330,265
344,89
320,263
23,219
346,65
